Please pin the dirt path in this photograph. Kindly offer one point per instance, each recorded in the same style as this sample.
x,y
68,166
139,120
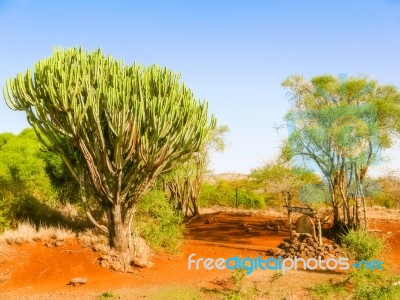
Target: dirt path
x,y
32,271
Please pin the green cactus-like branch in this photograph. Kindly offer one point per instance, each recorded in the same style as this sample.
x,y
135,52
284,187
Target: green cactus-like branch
x,y
116,126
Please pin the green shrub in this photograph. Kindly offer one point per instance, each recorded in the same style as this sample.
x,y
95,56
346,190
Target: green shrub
x,y
223,193
362,246
374,285
247,199
158,223
23,179
4,222
212,194
326,290
107,295
360,285
384,200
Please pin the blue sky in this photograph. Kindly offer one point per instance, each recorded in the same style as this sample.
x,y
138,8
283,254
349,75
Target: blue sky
x,y
234,54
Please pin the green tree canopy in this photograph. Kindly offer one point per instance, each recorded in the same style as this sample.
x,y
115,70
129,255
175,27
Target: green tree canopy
x,y
340,125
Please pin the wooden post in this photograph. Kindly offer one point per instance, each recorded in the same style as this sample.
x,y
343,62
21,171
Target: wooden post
x,y
290,222
319,232
289,202
236,190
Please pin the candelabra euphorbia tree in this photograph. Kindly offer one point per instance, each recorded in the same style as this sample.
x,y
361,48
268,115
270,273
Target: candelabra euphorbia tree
x,y
116,127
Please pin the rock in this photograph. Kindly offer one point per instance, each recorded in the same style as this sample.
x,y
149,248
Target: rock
x,y
275,252
116,266
304,246
270,252
209,221
59,243
283,245
104,264
304,224
108,257
142,263
243,225
49,245
77,281
249,229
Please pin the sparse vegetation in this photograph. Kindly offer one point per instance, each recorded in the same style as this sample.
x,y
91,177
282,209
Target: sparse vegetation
x,y
107,295
94,240
360,245
26,232
228,193
360,285
327,291
175,293
375,285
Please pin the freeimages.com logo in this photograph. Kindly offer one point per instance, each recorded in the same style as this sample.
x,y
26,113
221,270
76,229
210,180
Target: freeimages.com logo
x,y
279,263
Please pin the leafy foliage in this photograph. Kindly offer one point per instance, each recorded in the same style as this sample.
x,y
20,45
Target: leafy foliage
x,y
281,179
184,182
362,246
158,222
25,189
227,193
337,126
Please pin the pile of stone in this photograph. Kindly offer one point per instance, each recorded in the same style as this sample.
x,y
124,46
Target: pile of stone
x,y
304,245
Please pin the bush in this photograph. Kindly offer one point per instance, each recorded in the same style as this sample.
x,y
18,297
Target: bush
x,y
375,285
23,179
4,222
326,290
213,194
384,200
362,246
360,285
247,199
223,193
158,223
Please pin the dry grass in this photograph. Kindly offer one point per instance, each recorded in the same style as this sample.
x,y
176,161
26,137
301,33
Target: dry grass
x,y
141,249
93,239
379,212
271,212
57,233
26,232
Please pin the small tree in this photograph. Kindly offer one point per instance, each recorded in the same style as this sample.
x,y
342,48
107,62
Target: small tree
x,y
339,126
280,178
184,182
116,127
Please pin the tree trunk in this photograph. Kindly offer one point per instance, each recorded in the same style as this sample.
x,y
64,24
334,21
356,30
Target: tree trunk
x,y
119,234
336,216
196,211
288,201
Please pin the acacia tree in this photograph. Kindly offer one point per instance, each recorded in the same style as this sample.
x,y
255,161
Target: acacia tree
x,y
116,127
340,126
283,179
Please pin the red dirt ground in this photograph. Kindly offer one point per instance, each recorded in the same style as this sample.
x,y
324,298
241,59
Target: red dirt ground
x,y
32,271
